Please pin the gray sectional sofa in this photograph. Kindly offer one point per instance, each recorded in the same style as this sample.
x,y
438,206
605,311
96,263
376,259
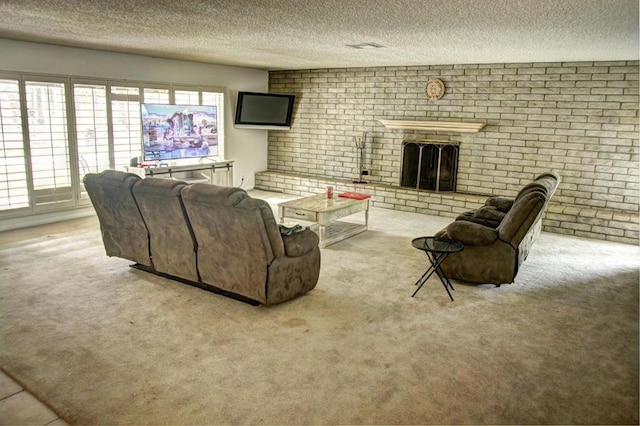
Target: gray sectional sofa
x,y
217,238
498,236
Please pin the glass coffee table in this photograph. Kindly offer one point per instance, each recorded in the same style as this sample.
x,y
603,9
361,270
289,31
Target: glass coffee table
x,y
437,250
324,212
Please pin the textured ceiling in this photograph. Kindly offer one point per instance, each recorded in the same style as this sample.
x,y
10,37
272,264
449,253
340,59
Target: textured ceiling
x,y
308,34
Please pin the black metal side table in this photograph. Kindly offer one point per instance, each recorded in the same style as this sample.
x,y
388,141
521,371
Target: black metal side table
x,y
437,250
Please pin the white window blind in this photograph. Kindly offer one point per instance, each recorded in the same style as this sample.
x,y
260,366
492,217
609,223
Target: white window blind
x,y
92,129
156,96
49,142
187,97
127,131
14,193
217,99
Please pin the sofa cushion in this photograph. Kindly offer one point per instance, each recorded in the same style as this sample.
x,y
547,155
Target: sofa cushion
x,y
466,215
501,203
124,233
545,184
490,213
233,247
521,217
487,216
489,223
470,233
173,247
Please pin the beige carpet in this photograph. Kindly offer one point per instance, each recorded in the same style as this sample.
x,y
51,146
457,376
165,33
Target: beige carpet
x,y
103,343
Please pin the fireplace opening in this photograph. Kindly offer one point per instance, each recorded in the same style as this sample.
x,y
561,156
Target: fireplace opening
x,y
431,165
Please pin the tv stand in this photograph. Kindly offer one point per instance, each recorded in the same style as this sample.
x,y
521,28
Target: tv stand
x,y
215,172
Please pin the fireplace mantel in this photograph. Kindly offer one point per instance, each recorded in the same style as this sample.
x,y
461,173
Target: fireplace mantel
x,y
434,126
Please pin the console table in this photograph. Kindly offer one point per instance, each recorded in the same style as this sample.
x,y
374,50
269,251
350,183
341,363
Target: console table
x,y
217,173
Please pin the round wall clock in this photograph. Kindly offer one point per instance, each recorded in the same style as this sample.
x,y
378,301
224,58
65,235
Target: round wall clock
x,y
434,89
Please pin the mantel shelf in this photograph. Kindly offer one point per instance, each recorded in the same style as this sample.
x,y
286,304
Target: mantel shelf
x,y
434,126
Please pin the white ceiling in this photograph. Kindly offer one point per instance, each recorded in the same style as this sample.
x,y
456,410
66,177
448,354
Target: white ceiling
x,y
310,34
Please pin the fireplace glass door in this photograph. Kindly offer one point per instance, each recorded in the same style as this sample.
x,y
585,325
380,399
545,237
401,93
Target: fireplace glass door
x,y
429,165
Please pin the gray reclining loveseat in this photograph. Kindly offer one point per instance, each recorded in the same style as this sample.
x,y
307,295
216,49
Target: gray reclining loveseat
x,y
217,238
498,236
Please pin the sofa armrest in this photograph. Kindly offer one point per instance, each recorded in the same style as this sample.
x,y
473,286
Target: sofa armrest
x,y
501,203
470,233
300,243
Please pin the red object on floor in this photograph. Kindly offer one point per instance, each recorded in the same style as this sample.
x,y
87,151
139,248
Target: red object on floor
x,y
354,195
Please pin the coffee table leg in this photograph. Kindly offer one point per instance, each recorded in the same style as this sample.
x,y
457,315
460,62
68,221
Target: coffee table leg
x,y
281,213
366,215
321,232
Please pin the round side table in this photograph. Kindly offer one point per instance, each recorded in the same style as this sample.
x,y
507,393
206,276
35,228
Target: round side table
x,y
437,250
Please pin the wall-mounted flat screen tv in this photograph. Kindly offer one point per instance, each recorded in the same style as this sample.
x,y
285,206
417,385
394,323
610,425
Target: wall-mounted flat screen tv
x,y
264,110
172,132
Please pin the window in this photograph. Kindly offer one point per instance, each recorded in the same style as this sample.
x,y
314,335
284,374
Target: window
x,y
54,130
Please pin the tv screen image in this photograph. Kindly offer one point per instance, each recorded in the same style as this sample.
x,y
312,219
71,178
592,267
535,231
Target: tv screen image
x,y
171,132
264,110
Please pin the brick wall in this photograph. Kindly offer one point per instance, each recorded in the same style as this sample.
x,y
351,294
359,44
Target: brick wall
x,y
579,119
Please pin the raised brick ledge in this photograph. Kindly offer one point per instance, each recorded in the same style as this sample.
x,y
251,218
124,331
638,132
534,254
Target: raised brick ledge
x,y
601,224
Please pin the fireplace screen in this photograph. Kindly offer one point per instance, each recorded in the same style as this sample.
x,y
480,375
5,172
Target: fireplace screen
x,y
429,165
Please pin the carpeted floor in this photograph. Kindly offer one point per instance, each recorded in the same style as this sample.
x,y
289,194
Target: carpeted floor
x,y
103,343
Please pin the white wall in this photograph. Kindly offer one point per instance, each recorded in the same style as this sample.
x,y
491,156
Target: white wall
x,y
248,148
